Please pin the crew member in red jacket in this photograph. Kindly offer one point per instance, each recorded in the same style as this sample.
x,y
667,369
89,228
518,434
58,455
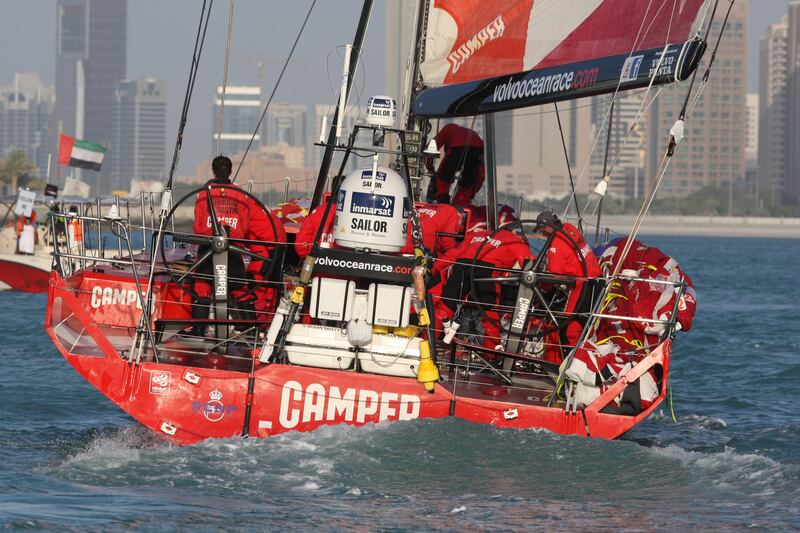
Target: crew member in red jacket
x,y
486,251
463,160
269,229
440,222
304,240
562,257
242,218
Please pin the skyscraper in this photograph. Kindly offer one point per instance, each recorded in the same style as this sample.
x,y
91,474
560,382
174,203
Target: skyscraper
x,y
791,193
139,132
625,148
712,153
286,124
751,140
773,109
539,167
241,111
90,61
26,115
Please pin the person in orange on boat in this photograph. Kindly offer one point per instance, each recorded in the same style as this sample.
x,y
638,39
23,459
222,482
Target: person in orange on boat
x,y
304,240
462,161
486,254
562,257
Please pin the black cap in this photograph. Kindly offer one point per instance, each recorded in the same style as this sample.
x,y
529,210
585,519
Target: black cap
x,y
547,218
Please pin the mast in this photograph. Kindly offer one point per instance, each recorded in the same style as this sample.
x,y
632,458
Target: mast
x,y
358,41
491,172
419,55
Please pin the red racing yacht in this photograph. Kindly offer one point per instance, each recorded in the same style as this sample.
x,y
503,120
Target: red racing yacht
x,y
349,333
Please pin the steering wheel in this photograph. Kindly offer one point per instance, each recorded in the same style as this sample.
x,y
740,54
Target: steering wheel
x,y
534,315
219,244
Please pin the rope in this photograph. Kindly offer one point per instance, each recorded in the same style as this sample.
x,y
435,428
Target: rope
x,y
225,77
274,90
613,98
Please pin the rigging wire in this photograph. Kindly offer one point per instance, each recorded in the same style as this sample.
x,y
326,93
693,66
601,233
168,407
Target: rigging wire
x,y
199,41
274,90
682,114
667,158
569,170
144,323
670,150
225,77
707,73
613,97
637,118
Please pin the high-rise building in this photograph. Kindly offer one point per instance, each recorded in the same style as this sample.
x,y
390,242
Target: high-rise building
x,y
773,112
91,40
625,164
140,127
791,193
539,167
712,154
26,115
240,112
751,140
286,124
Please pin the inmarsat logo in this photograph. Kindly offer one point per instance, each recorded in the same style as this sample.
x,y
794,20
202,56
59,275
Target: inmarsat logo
x,y
372,204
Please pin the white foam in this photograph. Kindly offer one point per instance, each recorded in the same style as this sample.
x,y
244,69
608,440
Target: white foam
x,y
729,469
457,510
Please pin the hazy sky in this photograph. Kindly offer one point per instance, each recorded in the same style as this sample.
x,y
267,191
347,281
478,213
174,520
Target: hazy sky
x,y
161,36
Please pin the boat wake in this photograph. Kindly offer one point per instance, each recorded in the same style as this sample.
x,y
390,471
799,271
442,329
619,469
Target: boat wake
x,y
341,471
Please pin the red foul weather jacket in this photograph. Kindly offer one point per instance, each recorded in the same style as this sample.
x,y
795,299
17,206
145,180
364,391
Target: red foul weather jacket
x,y
436,219
232,207
502,249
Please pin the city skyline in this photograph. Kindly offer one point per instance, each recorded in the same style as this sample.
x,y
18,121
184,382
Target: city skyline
x,y
253,66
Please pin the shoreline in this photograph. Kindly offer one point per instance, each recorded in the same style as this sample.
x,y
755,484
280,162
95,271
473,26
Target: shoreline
x,y
688,226
708,226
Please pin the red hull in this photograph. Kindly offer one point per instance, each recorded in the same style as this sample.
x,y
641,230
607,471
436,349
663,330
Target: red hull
x,y
190,404
22,276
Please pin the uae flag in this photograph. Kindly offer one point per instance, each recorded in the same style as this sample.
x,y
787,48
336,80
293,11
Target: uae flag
x,y
79,153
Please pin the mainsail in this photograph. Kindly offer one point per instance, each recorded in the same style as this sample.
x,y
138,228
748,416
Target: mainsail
x,y
484,57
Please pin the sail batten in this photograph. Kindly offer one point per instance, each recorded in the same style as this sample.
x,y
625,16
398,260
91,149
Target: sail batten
x,y
490,56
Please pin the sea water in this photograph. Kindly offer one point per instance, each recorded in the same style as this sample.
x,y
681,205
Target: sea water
x,y
71,460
